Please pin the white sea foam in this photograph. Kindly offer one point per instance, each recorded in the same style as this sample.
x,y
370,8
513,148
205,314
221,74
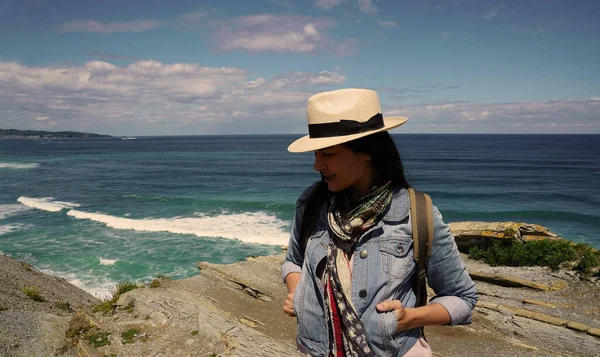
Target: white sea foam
x,y
249,227
258,227
46,203
102,289
7,228
18,166
11,210
107,261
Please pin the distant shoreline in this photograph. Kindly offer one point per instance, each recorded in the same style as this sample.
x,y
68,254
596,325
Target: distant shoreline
x,y
38,134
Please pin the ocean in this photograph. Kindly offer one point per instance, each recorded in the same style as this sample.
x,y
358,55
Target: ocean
x,y
103,211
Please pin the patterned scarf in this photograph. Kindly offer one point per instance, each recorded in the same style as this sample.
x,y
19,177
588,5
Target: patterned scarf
x,y
349,226
347,336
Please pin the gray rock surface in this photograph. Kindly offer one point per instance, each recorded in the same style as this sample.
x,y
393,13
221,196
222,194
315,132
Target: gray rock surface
x,y
232,317
577,301
471,233
31,334
35,328
56,292
236,310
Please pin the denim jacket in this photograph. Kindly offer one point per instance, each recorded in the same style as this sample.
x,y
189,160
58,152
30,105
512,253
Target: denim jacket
x,y
383,269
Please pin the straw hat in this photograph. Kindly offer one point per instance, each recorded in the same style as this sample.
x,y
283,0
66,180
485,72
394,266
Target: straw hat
x,y
342,115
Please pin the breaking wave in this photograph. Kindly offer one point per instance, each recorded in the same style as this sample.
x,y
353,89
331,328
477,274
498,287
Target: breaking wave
x,y
249,227
18,166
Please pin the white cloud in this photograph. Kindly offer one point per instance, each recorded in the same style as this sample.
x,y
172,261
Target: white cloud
x,y
283,3
177,81
504,117
344,48
153,98
255,83
387,23
543,28
454,35
150,97
95,26
537,30
192,19
275,33
106,55
327,4
299,79
494,12
253,33
311,32
367,6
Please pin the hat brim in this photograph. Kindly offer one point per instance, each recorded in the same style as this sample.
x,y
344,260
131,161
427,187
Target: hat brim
x,y
306,143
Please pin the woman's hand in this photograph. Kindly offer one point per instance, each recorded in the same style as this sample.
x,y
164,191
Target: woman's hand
x,y
288,306
409,318
291,281
404,316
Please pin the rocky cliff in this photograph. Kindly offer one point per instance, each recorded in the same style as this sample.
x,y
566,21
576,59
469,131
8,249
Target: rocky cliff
x,y
235,310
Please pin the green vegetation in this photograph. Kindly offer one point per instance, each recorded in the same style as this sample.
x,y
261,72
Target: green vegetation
x,y
590,259
48,134
108,307
63,305
549,253
82,328
110,355
79,325
157,282
154,284
96,337
99,339
73,332
194,333
127,336
27,266
509,233
33,293
2,308
63,350
123,288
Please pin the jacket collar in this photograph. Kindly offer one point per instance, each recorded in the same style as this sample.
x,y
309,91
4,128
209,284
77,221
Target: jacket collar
x,y
397,212
400,206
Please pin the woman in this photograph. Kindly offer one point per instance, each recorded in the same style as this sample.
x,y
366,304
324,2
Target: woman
x,y
350,274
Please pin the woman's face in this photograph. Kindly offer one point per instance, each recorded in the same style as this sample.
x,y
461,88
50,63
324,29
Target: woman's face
x,y
343,168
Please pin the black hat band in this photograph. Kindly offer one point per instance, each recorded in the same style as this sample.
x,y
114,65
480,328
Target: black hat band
x,y
345,127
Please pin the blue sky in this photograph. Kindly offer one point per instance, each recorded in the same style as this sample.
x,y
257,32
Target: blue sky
x,y
248,67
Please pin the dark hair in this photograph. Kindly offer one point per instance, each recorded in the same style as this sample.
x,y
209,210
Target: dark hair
x,y
386,160
384,156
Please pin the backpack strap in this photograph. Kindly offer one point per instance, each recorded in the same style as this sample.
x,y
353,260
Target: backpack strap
x,y
421,215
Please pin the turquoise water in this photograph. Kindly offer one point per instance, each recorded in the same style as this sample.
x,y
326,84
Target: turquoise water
x,y
103,211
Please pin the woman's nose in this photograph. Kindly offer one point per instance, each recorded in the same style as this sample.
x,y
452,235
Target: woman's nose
x,y
318,162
